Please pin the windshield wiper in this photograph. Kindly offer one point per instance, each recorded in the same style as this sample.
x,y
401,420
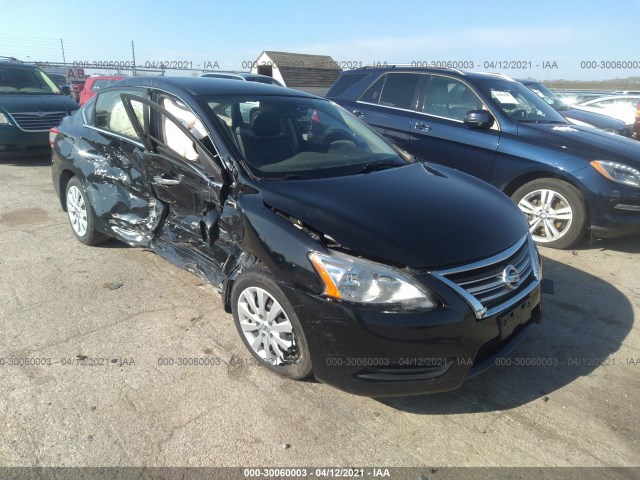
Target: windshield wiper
x,y
296,176
541,121
382,165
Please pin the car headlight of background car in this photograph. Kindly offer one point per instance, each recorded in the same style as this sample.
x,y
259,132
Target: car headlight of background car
x,y
618,172
4,119
362,281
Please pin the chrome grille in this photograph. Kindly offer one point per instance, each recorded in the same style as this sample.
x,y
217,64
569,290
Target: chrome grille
x,y
38,121
483,285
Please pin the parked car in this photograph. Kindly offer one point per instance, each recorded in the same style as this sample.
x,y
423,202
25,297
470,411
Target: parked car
x,y
30,104
576,115
95,83
622,107
636,124
245,76
334,255
573,97
564,177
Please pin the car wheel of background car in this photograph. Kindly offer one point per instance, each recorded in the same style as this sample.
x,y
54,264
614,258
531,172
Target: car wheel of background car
x,y
81,216
268,325
555,210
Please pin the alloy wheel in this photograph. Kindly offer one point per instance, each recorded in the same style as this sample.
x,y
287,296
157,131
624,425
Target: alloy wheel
x,y
266,326
549,214
77,210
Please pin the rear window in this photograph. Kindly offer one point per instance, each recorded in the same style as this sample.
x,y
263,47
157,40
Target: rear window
x,y
101,83
268,80
344,83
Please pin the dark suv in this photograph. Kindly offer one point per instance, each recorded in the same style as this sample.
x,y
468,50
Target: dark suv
x,y
30,104
565,178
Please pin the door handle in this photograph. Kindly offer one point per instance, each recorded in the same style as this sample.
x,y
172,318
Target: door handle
x,y
158,180
358,113
423,127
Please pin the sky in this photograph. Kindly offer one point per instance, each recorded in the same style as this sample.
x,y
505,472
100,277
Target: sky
x,y
541,39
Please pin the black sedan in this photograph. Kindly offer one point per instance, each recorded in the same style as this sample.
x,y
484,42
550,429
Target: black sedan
x,y
336,253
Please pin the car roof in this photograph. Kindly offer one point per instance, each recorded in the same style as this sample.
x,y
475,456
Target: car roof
x,y
16,64
610,97
204,86
449,71
106,77
237,74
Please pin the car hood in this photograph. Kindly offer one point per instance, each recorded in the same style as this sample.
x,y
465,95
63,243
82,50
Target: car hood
x,y
597,119
588,143
37,103
624,115
416,215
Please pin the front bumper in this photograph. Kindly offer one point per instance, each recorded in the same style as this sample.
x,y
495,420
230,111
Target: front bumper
x,y
15,142
378,354
614,208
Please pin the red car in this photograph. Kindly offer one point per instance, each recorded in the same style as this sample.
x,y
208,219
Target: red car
x,y
95,83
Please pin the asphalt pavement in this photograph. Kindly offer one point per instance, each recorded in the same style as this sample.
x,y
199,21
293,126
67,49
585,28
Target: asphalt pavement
x,y
89,334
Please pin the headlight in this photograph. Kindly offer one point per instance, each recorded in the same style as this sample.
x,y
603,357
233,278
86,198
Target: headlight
x,y
618,172
361,281
4,120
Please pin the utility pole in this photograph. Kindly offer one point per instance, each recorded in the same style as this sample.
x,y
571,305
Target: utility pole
x,y
133,55
63,59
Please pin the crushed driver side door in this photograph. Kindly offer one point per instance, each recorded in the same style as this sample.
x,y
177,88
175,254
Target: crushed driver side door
x,y
190,181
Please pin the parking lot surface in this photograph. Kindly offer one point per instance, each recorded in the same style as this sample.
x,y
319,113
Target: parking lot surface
x,y
89,335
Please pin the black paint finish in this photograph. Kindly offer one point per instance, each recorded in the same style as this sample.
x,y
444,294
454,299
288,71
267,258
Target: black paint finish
x,y
216,220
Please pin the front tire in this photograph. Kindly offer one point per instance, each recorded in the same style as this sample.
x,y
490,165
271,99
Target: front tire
x,y
555,210
81,215
269,326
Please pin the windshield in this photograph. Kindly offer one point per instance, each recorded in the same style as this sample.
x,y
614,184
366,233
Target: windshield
x,y
294,137
519,103
547,95
21,80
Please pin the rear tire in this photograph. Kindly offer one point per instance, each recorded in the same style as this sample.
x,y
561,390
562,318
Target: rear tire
x,y
268,325
555,210
81,215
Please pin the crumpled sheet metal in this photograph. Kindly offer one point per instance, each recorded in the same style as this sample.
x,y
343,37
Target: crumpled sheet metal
x,y
115,186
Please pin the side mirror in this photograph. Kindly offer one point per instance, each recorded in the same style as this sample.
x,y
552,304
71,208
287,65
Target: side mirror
x,y
66,90
478,119
209,227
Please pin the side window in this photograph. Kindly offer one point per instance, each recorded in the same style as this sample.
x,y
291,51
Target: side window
x,y
394,90
372,95
173,136
399,90
99,84
111,115
450,98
